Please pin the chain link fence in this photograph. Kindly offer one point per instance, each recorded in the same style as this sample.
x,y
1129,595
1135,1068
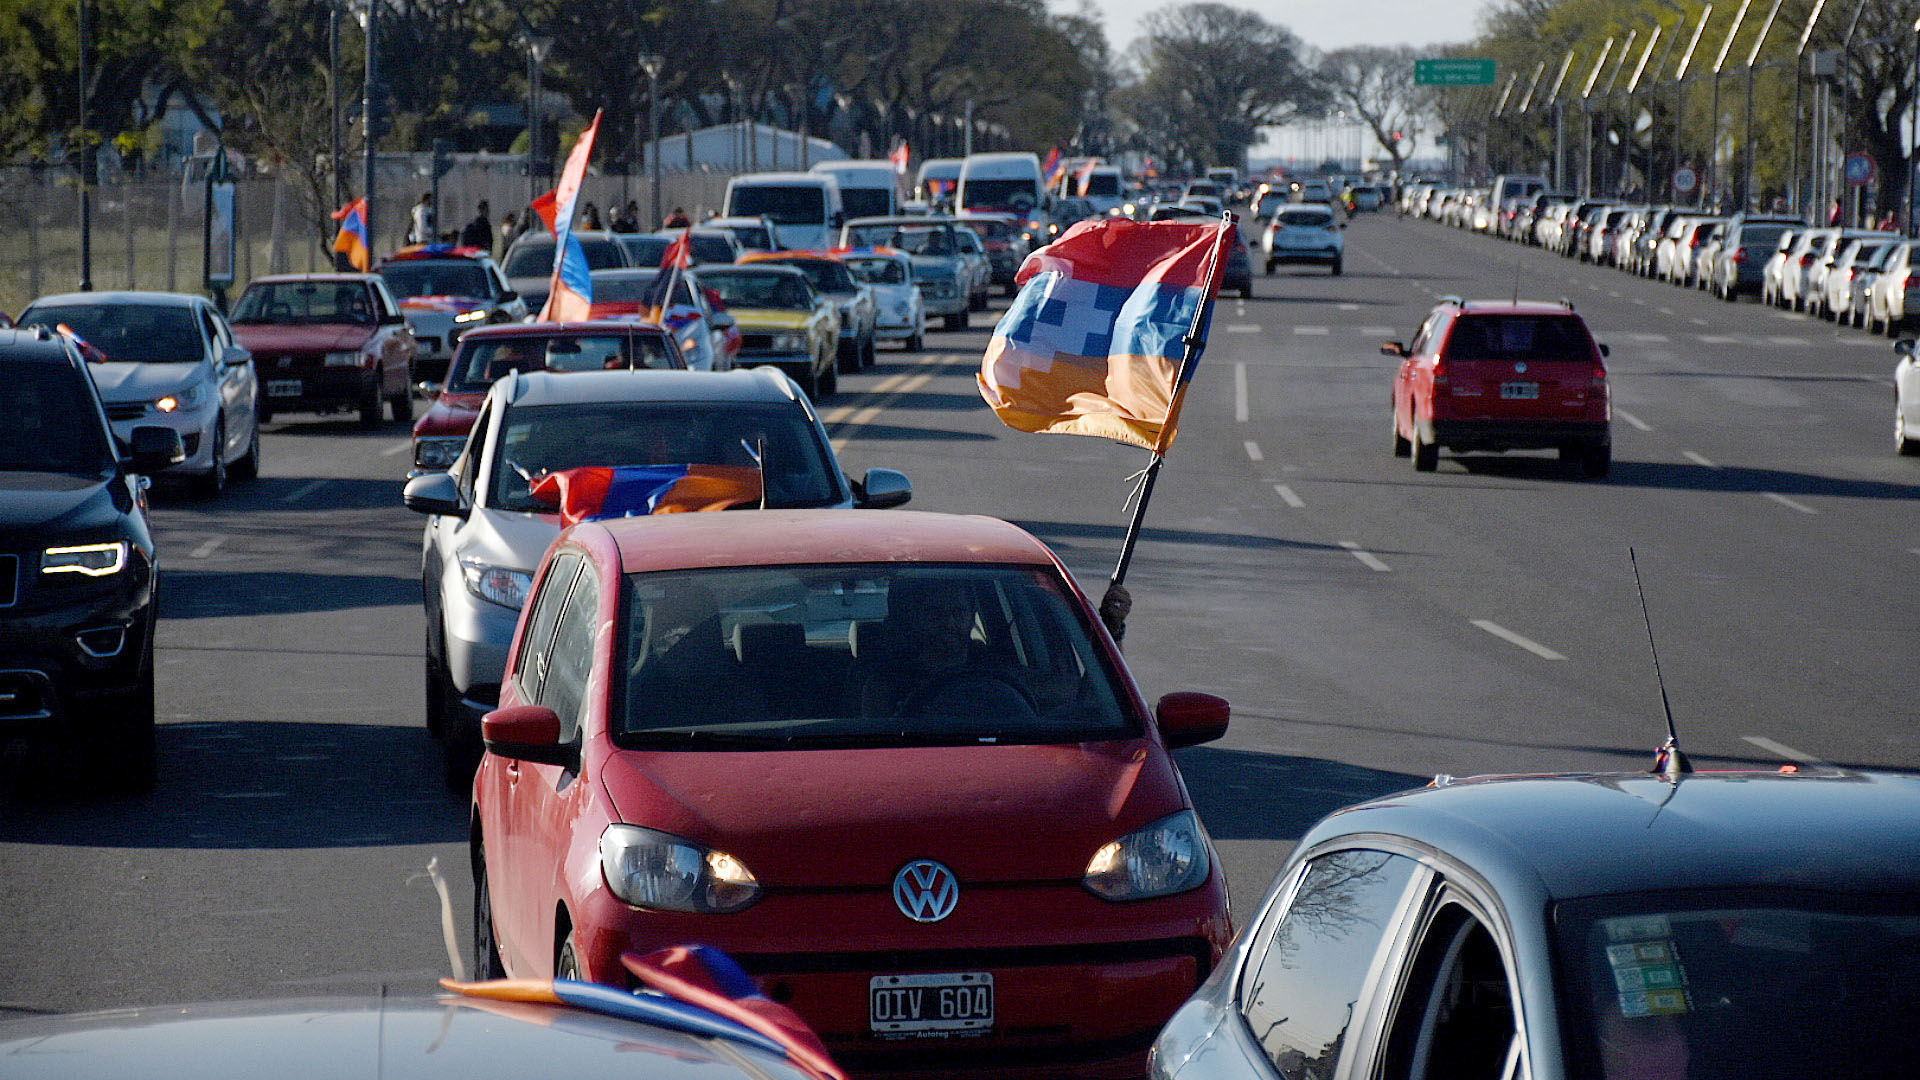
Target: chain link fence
x,y
149,234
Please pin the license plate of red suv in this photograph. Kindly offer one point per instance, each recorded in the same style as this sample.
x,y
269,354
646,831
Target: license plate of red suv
x,y
931,1004
1520,391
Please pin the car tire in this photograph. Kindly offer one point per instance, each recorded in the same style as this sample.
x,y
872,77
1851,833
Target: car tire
x,y
1402,447
122,751
1246,291
401,405
847,356
1596,460
486,946
460,749
1269,267
248,465
566,964
263,411
214,483
918,342
1904,444
829,383
1336,268
810,381
1426,455
370,406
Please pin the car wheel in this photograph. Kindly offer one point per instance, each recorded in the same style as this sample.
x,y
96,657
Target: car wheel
x,y
1426,455
1401,447
847,356
1907,445
1336,268
401,405
918,342
263,411
121,746
461,749
370,406
1595,461
977,302
214,483
1246,291
486,949
1269,267
567,964
248,467
829,382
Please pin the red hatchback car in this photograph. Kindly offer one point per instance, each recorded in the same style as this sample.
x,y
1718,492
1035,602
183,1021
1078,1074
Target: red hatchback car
x,y
1502,375
889,761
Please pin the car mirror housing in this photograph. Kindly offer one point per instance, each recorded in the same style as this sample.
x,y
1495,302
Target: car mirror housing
x,y
1904,346
721,321
234,356
1188,718
1604,351
882,489
434,493
153,448
1392,348
528,733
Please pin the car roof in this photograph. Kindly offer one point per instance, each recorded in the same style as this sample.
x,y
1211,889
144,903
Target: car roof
x,y
325,275
796,537
1510,307
145,299
1571,836
770,266
37,344
585,387
582,328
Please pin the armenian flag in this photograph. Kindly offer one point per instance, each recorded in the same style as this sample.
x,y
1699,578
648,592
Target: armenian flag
x,y
352,240
571,297
599,492
709,978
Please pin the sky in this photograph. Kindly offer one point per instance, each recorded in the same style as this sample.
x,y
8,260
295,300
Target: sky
x,y
1323,25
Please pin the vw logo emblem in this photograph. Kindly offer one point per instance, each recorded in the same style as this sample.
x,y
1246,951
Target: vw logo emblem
x,y
925,891
1520,368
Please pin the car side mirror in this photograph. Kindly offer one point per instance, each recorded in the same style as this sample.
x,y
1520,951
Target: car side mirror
x,y
235,356
1904,347
509,296
1392,348
528,733
152,448
1604,351
395,319
720,320
434,493
1187,718
882,489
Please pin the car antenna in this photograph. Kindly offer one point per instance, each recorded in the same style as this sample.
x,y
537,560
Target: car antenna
x,y
1668,761
1516,279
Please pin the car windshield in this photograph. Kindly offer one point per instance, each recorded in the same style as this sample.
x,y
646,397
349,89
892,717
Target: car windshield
x,y
283,302
1747,991
1103,185
548,438
802,205
533,256
630,286
481,361
52,425
991,228
748,236
788,657
1519,337
866,202
143,333
916,239
712,249
436,278
780,292
641,251
878,271
1015,193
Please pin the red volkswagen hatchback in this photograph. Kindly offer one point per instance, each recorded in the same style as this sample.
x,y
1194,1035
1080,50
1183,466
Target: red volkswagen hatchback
x,y
890,761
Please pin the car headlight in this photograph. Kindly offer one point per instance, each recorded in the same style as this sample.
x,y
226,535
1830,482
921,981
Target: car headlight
x,y
179,399
93,560
343,359
473,316
652,869
789,342
436,453
1167,857
499,584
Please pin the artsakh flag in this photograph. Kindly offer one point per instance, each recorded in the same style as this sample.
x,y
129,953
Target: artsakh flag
x,y
1093,343
571,296
599,492
351,240
711,979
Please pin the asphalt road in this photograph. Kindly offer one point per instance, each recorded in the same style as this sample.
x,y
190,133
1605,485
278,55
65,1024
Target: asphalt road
x,y
1372,626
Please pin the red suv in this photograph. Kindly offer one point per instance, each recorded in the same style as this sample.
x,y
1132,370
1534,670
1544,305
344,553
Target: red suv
x,y
1502,375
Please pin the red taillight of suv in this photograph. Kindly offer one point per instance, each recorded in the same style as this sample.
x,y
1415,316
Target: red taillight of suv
x,y
1440,374
1739,255
1597,378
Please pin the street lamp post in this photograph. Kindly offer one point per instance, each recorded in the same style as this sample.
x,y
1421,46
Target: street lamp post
x,y
333,101
537,48
651,63
368,12
86,163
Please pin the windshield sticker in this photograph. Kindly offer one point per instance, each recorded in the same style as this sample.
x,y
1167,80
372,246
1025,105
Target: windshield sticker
x,y
1648,978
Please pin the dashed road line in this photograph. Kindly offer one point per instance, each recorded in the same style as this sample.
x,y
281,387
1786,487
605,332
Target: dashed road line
x,y
1376,331
1783,750
398,449
1287,496
1698,322
1632,421
888,390
1316,331
1716,339
1649,339
1698,459
1786,339
1512,638
1664,310
1367,558
208,548
1240,391
1348,307
1790,504
1253,451
303,491
1243,328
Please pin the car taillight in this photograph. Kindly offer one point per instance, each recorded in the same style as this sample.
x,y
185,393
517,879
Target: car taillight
x,y
1597,378
1739,255
1807,258
1439,373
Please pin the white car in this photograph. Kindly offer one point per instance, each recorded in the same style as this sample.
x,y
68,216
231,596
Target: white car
x,y
699,331
171,360
1906,400
1304,233
899,312
1896,293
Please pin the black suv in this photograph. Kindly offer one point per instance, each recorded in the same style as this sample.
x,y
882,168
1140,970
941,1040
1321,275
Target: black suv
x,y
77,578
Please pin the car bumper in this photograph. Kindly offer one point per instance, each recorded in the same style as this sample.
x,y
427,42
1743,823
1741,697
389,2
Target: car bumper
x,y
478,636
1518,434
315,387
945,305
57,659
898,331
1285,256
194,425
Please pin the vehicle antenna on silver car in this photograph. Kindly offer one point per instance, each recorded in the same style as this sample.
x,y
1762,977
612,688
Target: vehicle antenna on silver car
x,y
1668,760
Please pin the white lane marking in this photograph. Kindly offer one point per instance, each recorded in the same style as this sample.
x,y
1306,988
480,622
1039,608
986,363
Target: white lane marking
x,y
1783,750
397,449
1366,557
1243,328
1287,496
1317,331
303,491
1632,420
1240,392
1698,322
1698,459
888,390
1650,339
1786,339
1348,307
1613,294
1512,638
1715,339
1375,331
1664,310
209,547
1639,301
1253,451
1790,503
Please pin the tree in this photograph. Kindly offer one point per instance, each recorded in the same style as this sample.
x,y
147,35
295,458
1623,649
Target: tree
x,y
1211,76
1375,84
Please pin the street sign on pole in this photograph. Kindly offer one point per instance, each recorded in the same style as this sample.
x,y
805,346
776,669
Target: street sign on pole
x,y
1860,169
1683,180
1453,72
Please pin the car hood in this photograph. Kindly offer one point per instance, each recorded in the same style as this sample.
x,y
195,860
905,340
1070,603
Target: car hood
x,y
854,817
316,337
509,538
121,381
769,318
47,506
451,414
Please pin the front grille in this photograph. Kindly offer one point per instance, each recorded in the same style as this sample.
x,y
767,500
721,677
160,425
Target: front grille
x,y
126,412
9,580
760,342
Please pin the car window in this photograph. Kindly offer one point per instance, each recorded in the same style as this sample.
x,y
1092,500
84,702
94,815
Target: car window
x,y
466,467
1308,966
878,271
882,654
1304,218
641,251
144,333
570,658
780,292
1519,337
712,249
1423,337
52,423
437,278
530,670
291,302
802,205
1455,1017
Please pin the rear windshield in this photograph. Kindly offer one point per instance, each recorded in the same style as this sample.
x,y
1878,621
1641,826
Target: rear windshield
x,y
641,250
1519,337
1104,185
533,257
426,278
481,361
777,292
781,205
712,249
1306,218
866,202
143,333
1761,235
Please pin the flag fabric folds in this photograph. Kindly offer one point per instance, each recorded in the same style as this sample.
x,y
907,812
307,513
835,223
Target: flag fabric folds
x,y
352,240
1084,176
668,1012
1054,168
548,207
900,156
1093,343
707,977
571,296
599,492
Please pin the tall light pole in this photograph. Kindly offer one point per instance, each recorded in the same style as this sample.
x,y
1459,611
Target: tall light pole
x,y
86,163
1753,55
333,101
1713,146
537,48
368,12
651,63
1679,92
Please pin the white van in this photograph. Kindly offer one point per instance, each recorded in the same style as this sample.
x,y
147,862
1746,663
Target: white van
x,y
1104,188
804,207
1004,182
867,188
936,179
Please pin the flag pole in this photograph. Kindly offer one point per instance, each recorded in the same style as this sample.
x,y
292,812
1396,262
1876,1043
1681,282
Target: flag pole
x,y
1195,343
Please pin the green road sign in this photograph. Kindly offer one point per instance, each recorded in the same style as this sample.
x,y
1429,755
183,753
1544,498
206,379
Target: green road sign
x,y
1453,72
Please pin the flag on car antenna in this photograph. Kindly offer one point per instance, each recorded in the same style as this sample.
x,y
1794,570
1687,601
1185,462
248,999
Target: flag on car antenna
x,y
1083,176
570,298
352,240
1053,169
900,156
659,298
